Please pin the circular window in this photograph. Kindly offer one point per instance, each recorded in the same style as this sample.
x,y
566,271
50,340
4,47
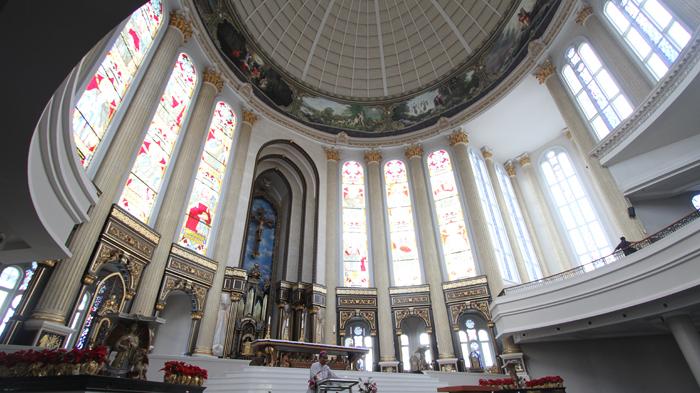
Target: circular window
x,y
358,331
470,324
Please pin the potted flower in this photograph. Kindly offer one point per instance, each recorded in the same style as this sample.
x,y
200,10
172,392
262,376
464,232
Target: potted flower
x,y
502,383
52,362
550,381
367,386
183,373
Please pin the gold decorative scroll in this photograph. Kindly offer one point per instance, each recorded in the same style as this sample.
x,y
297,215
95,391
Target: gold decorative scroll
x,y
193,257
332,154
134,224
465,282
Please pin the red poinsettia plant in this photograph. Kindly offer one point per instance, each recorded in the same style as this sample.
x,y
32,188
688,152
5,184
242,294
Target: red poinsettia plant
x,y
544,381
54,356
174,367
497,382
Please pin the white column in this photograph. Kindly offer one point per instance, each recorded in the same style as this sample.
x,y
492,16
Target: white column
x,y
633,80
332,252
379,243
175,196
64,284
688,340
612,200
505,214
429,252
459,140
205,338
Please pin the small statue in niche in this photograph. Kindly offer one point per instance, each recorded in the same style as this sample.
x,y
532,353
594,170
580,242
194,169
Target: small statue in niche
x,y
111,305
125,347
474,360
254,271
140,363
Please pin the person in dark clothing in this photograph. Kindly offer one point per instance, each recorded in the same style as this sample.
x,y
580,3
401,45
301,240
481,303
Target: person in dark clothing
x,y
626,247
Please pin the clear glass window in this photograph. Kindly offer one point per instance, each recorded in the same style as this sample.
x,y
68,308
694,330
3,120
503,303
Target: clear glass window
x,y
14,280
696,201
355,254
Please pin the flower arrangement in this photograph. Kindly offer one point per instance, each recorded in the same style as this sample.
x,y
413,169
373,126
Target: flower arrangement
x,y
505,383
546,382
52,362
183,373
367,386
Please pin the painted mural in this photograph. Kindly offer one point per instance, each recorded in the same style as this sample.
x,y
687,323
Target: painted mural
x,y
481,74
260,239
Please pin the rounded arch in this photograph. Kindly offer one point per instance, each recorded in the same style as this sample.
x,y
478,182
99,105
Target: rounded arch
x,y
173,335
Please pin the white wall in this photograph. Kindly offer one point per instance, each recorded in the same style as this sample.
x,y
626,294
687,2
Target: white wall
x,y
645,364
657,214
172,336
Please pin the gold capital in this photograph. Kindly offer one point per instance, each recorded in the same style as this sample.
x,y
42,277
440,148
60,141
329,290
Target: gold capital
x,y
544,71
510,168
181,23
332,154
524,159
249,117
457,137
487,153
49,262
197,314
567,133
583,14
214,78
160,306
373,156
414,151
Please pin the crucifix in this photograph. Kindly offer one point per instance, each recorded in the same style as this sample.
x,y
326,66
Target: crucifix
x,y
262,221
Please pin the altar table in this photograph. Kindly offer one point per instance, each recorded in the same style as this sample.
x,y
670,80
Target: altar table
x,y
298,354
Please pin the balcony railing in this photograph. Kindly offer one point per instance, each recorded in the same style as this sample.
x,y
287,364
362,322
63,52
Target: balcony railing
x,y
606,260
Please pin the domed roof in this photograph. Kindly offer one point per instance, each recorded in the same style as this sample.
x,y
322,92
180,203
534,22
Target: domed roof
x,y
369,49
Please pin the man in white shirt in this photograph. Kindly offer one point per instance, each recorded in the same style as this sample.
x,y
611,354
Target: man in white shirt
x,y
319,371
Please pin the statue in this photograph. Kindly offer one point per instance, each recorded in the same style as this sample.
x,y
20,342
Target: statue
x,y
254,271
111,305
140,363
474,360
125,347
262,222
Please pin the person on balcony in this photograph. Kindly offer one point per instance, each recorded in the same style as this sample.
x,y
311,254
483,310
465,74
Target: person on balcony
x,y
626,247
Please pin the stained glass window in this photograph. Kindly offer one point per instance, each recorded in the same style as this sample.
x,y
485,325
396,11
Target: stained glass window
x,y
650,30
355,262
454,240
13,282
532,264
147,175
404,249
597,94
208,180
475,344
576,213
105,91
494,220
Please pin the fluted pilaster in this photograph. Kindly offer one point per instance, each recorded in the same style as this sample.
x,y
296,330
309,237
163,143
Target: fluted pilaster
x,y
64,284
332,251
429,251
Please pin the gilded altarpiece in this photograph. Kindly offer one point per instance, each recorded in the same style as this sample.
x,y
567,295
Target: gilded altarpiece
x,y
234,285
356,303
411,302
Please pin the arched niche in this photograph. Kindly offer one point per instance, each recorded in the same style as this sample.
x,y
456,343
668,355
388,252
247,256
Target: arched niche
x,y
174,335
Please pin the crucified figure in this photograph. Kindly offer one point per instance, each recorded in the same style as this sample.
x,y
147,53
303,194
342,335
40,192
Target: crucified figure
x,y
262,222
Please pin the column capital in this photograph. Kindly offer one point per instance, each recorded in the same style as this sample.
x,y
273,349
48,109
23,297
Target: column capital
x,y
583,14
249,117
510,168
544,71
458,136
213,77
412,151
197,315
332,154
181,23
49,262
567,133
373,156
524,160
487,153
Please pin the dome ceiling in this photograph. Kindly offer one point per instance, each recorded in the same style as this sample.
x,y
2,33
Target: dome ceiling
x,y
370,49
373,68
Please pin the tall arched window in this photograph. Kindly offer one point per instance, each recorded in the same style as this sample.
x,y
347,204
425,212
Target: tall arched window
x,y
105,91
404,248
578,218
358,335
597,94
519,226
355,261
475,344
650,30
147,175
14,280
494,220
206,190
454,240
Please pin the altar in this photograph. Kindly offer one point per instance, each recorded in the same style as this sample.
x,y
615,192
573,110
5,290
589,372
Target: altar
x,y
298,354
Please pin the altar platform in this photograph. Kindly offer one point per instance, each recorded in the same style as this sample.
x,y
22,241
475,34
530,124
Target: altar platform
x,y
299,354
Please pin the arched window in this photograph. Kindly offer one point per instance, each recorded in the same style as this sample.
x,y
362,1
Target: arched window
x,y
696,201
105,91
110,289
520,228
494,220
650,30
405,352
79,313
596,93
578,218
14,280
475,344
147,175
204,197
355,262
424,340
459,261
358,335
402,236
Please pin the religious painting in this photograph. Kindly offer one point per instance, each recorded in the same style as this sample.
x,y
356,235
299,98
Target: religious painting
x,y
348,116
260,239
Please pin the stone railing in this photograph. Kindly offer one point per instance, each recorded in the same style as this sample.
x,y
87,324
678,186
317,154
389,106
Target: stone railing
x,y
606,260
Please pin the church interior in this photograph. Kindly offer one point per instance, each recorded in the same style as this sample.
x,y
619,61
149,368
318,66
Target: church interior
x,y
437,194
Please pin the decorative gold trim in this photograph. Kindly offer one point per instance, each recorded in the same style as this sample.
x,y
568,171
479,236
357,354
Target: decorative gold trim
x,y
213,77
235,272
509,166
89,279
181,23
319,288
197,314
134,224
399,290
249,117
373,156
487,153
49,262
458,136
465,282
159,306
544,71
583,14
45,316
193,257
286,284
356,291
415,150
524,159
332,154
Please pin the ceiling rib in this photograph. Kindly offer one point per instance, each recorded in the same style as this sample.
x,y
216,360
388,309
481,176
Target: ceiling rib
x,y
452,26
286,29
318,36
340,54
301,35
449,58
270,23
354,50
328,50
410,48
422,41
380,40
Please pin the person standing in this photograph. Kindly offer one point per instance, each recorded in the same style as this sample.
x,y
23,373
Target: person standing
x,y
319,371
